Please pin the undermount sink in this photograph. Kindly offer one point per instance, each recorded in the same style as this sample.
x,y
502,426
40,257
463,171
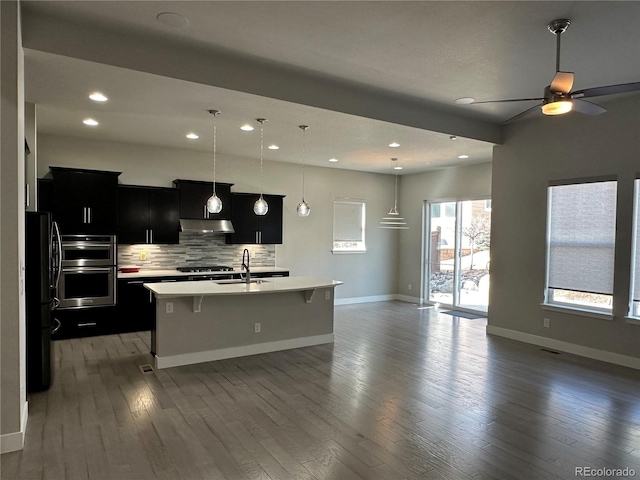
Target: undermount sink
x,y
227,282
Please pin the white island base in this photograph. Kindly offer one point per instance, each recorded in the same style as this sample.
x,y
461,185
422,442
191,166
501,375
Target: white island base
x,y
211,321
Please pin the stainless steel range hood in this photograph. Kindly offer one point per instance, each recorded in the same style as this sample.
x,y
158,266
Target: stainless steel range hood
x,y
206,226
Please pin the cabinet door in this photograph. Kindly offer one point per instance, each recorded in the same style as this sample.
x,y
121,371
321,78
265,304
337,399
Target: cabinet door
x,y
133,215
135,306
45,195
270,225
164,215
194,196
85,202
245,222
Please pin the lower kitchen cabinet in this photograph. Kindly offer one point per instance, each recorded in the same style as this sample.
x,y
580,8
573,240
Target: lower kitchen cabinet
x,y
135,304
84,322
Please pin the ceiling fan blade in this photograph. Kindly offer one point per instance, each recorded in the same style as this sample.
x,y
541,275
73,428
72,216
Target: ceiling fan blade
x,y
607,90
562,82
589,108
522,114
505,101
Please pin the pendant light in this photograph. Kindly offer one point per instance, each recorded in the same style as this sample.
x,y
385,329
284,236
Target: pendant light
x,y
214,204
261,207
303,207
393,220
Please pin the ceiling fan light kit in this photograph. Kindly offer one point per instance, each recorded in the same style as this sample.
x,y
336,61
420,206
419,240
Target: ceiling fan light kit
x,y
558,98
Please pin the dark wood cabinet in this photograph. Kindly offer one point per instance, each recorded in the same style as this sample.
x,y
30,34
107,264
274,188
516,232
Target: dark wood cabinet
x,y
194,195
45,195
251,228
136,309
148,215
85,201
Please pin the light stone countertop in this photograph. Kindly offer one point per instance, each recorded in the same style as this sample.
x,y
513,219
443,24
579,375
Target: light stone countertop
x,y
210,287
149,273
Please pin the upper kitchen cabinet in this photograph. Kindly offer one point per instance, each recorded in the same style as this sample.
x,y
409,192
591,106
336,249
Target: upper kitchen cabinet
x,y
85,201
45,195
148,215
251,228
194,195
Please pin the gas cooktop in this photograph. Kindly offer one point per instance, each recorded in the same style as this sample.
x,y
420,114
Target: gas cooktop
x,y
214,268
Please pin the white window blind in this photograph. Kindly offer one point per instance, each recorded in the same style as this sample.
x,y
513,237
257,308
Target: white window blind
x,y
348,225
582,227
636,269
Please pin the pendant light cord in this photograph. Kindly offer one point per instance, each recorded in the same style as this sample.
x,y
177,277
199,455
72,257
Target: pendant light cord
x,y
214,157
304,133
395,195
261,152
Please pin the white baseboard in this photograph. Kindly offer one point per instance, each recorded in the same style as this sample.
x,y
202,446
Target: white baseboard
x,y
376,298
243,351
407,298
593,353
12,442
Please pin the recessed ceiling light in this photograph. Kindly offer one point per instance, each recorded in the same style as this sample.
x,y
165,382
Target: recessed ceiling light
x,y
464,100
394,145
463,156
98,97
452,137
246,128
192,136
90,121
397,168
273,147
333,160
428,163
171,19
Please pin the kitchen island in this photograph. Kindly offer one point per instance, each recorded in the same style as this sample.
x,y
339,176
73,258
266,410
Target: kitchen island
x,y
202,321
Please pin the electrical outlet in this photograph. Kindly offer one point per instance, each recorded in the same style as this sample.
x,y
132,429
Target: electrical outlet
x,y
143,256
545,323
169,307
410,286
327,295
257,327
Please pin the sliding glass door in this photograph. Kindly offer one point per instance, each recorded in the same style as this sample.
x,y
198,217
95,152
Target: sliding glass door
x,y
459,237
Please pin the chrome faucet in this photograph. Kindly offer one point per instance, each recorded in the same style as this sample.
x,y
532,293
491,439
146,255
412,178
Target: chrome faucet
x,y
245,266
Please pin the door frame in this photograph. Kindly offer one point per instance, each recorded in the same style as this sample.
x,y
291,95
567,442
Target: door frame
x,y
425,270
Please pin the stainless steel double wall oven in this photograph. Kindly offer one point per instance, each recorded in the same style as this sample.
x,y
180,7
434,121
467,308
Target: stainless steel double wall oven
x,y
89,273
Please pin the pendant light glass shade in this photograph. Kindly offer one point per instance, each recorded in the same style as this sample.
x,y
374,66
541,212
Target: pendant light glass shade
x,y
393,220
214,204
261,207
303,207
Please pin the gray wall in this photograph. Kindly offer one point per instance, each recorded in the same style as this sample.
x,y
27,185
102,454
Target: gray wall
x,y
534,153
453,183
12,306
306,248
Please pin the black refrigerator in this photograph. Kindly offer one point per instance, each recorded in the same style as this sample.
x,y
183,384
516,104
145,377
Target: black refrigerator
x,y
41,275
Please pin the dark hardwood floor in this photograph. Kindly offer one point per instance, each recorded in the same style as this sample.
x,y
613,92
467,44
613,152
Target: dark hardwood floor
x,y
403,393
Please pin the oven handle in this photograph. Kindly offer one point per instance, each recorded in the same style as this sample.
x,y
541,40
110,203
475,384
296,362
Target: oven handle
x,y
87,269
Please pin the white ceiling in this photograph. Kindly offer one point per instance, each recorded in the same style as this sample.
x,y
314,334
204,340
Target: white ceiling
x,y
433,52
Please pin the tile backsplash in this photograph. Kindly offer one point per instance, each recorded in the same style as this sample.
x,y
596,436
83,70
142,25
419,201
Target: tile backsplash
x,y
195,249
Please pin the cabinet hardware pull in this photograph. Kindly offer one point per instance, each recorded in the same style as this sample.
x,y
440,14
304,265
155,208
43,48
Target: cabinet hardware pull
x,y
151,235
205,212
87,324
139,282
84,214
89,210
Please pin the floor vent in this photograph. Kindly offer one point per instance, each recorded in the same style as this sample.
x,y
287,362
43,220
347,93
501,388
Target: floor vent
x,y
549,351
146,368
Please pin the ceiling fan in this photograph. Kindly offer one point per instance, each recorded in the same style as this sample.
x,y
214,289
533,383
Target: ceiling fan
x,y
558,97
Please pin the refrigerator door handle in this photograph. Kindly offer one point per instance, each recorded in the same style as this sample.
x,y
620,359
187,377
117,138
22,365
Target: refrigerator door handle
x,y
58,255
57,327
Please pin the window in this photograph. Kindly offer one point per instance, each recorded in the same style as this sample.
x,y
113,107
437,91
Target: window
x,y
635,270
348,225
450,209
435,210
581,245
